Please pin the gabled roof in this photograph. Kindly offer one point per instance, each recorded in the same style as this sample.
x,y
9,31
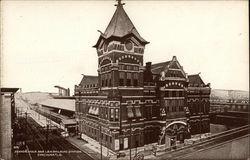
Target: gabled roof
x,y
120,26
195,79
87,79
157,68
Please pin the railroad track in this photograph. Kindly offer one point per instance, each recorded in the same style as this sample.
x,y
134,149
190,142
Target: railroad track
x,y
36,141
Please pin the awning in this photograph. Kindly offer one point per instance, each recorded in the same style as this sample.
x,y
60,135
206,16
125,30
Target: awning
x,y
90,110
130,112
96,111
68,121
138,111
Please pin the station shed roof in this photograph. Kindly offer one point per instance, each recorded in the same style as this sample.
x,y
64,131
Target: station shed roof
x,y
65,104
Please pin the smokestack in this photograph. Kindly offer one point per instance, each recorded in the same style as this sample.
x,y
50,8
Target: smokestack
x,y
148,66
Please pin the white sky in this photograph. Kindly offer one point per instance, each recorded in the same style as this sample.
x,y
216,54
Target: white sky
x,y
47,43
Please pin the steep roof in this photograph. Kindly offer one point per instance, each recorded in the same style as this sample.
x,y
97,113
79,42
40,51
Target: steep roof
x,y
195,79
87,79
120,26
157,68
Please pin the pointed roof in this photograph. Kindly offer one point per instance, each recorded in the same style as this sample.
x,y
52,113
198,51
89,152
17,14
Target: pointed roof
x,y
88,79
157,68
120,26
195,79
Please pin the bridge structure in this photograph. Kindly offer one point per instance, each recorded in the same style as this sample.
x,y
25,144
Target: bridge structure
x,y
229,112
207,144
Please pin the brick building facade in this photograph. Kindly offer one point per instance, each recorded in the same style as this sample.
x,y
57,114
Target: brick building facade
x,y
129,104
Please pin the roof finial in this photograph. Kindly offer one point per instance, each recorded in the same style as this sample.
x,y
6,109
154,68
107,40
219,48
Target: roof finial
x,y
119,3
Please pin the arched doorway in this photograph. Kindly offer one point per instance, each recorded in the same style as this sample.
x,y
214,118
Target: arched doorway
x,y
173,132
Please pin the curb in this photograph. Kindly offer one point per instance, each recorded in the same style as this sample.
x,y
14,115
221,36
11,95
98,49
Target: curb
x,y
84,151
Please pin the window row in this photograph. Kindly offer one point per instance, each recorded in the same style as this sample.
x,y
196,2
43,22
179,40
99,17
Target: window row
x,y
106,68
174,94
111,114
174,109
95,134
174,74
128,79
151,111
115,47
128,67
199,107
134,112
90,85
174,102
106,80
138,50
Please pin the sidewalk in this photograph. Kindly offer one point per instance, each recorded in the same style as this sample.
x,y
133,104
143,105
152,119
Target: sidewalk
x,y
93,149
85,147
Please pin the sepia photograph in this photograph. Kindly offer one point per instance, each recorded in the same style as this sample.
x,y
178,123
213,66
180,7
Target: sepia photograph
x,y
124,80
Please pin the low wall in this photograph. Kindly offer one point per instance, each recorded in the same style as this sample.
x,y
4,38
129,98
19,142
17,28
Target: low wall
x,y
234,149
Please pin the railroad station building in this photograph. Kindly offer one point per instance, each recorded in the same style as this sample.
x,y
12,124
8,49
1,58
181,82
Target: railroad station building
x,y
130,104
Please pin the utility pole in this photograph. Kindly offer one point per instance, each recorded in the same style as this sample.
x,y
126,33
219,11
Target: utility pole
x,y
47,134
101,139
130,140
26,123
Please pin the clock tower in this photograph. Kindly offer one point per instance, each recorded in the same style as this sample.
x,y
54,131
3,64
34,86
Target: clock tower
x,y
120,52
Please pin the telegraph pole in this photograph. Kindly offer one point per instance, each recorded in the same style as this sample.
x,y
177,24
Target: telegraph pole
x,y
130,141
26,123
101,139
47,134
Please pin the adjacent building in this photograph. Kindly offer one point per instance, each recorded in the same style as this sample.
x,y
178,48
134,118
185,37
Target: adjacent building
x,y
7,121
128,104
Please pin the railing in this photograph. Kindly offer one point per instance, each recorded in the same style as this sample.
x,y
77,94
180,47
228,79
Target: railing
x,y
222,136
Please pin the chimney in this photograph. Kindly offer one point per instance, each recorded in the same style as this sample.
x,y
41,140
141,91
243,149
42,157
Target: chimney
x,y
174,58
148,66
68,92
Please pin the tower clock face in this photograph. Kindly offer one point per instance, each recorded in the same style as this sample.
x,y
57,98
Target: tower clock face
x,y
129,45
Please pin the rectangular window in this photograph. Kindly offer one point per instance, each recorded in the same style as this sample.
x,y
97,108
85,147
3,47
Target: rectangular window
x,y
106,112
135,79
167,109
121,78
129,77
129,67
136,68
116,114
170,93
130,112
181,108
121,67
109,79
167,94
173,109
106,79
149,112
111,113
181,94
138,111
154,111
174,94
